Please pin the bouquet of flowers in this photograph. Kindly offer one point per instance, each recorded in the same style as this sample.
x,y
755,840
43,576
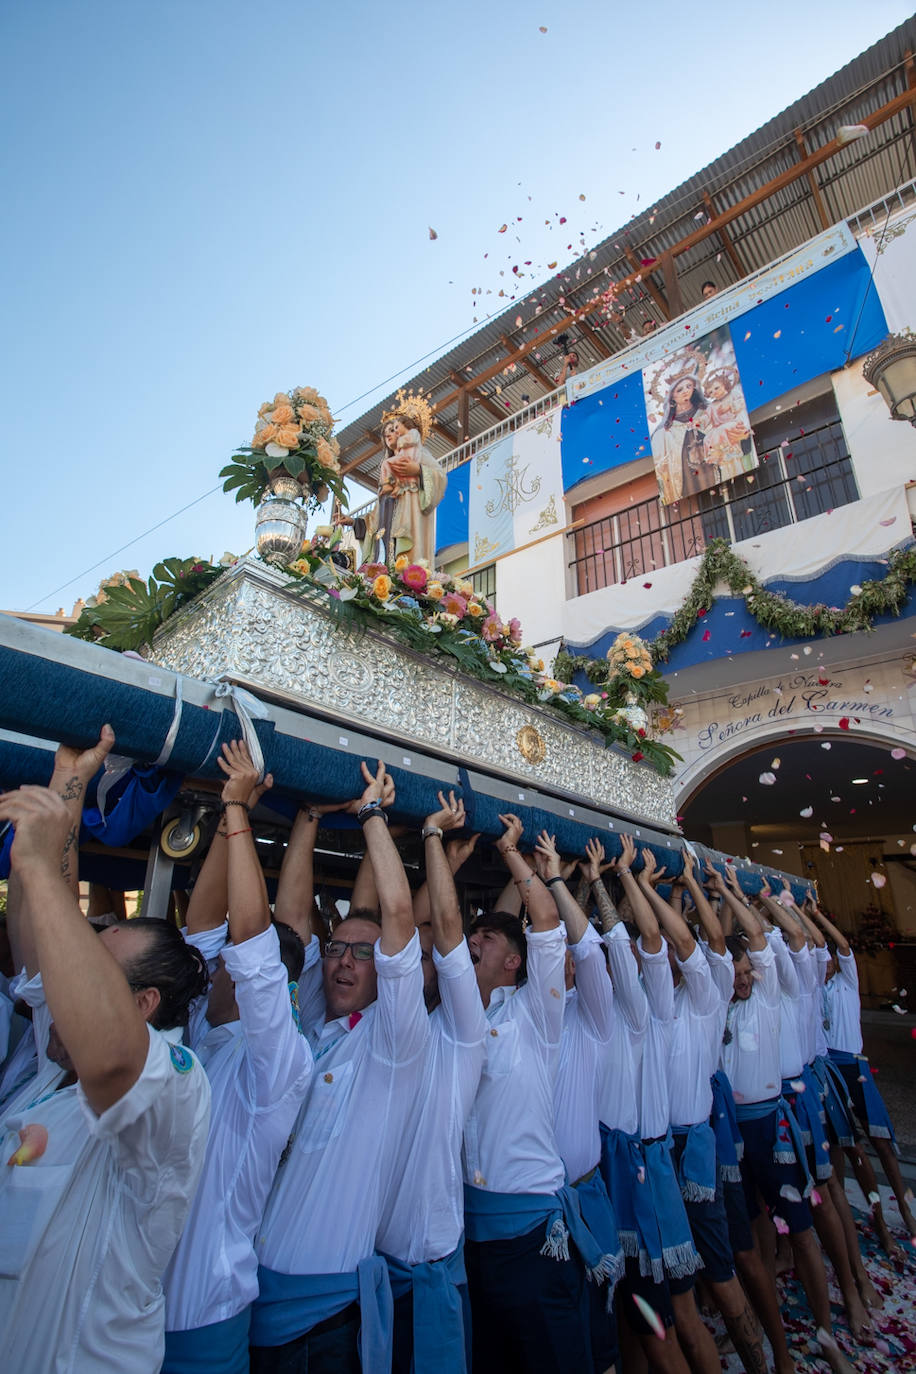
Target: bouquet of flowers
x,y
293,437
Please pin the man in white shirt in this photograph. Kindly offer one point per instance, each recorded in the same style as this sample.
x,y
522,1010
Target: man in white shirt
x,y
258,1066
750,1057
325,1300
105,1163
526,1281
421,1233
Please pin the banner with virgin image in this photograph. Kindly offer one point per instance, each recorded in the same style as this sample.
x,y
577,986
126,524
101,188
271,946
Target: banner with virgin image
x,y
699,429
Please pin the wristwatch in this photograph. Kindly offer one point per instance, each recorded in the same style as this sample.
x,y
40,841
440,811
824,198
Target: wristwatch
x,y
429,830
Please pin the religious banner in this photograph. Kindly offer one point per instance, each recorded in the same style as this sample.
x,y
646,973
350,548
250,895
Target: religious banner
x,y
889,246
516,490
698,422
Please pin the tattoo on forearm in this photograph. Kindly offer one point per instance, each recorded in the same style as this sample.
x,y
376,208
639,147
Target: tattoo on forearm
x,y
69,846
606,908
73,789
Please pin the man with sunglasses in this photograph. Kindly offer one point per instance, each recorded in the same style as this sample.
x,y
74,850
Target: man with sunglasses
x,y
325,1302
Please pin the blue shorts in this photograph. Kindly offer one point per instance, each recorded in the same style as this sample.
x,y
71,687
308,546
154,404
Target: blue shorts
x,y
657,1295
759,1170
709,1227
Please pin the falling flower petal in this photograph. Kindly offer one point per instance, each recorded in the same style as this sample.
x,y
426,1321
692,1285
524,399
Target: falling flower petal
x,y
767,779
650,1315
780,1225
432,233
789,1193
878,879
33,1141
807,811
898,753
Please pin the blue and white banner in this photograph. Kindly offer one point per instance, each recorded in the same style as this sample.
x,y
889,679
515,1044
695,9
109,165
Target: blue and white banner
x,y
516,490
718,310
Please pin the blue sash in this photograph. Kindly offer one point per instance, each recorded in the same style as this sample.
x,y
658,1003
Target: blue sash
x,y
808,1109
877,1121
505,1216
724,1122
438,1316
836,1100
679,1254
220,1348
697,1168
788,1146
621,1160
598,1213
289,1305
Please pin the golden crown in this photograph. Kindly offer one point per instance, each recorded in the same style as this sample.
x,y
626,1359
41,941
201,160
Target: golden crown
x,y
416,408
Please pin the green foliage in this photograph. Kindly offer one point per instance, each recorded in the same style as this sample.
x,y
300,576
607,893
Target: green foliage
x,y
248,474
131,614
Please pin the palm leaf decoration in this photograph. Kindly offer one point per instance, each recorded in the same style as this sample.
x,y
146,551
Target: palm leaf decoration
x,y
132,612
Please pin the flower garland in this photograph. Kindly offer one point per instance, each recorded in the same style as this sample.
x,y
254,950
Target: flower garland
x,y
772,610
433,612
127,611
293,434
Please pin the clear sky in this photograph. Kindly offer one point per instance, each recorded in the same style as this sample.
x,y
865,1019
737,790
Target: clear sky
x,y
207,201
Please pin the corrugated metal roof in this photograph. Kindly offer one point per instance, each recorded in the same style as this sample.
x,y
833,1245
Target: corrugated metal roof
x,y
854,177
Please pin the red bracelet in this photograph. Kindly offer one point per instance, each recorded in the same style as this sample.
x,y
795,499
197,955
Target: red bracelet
x,y
230,833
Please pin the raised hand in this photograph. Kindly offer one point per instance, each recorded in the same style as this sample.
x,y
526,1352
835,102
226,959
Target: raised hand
x,y
714,880
241,774
76,766
546,851
379,788
42,823
459,851
450,815
512,834
627,853
651,873
591,867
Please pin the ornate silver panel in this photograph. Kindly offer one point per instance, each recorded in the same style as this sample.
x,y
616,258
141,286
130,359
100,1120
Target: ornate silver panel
x,y
252,628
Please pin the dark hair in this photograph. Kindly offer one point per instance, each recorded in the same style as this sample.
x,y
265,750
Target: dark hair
x,y
573,354
736,946
292,950
167,963
504,923
708,283
363,913
697,400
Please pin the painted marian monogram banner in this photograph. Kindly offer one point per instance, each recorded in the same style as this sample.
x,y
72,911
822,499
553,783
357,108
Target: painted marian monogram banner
x,y
516,490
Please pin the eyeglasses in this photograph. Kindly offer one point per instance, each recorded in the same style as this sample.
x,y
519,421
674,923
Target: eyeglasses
x,y
363,950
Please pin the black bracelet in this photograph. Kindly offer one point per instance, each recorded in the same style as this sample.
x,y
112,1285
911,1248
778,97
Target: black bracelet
x,y
244,805
371,808
549,882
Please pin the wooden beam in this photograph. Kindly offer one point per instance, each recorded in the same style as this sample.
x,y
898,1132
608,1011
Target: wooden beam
x,y
540,377
672,286
594,339
910,68
812,181
725,238
464,417
906,100
444,433
479,398
645,273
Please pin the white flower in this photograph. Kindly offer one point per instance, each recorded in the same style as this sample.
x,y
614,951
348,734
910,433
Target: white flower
x,y
276,451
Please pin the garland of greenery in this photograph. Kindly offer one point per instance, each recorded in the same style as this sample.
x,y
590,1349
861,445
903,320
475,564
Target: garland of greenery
x,y
772,610
132,611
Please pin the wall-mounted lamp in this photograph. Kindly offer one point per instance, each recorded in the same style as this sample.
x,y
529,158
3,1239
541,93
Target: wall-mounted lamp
x,y
891,369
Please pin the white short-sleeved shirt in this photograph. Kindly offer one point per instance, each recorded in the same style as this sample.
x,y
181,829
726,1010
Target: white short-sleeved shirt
x,y
654,1109
324,1209
423,1216
509,1140
695,1041
843,1010
618,1095
589,1024
750,1050
90,1226
259,1068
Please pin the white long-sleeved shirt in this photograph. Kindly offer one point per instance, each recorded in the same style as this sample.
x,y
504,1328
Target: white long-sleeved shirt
x,y
654,1108
589,1024
791,1011
722,971
695,1041
509,1140
750,1051
843,1010
258,1068
89,1227
818,1010
423,1215
323,1211
618,1087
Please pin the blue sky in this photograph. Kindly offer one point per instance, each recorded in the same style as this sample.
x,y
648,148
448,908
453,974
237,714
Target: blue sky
x,y
207,201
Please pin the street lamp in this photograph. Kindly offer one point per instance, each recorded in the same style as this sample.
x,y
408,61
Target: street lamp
x,y
891,369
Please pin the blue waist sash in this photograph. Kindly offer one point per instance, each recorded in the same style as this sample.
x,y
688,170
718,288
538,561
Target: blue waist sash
x,y
788,1146
697,1168
621,1160
836,1100
877,1120
598,1213
679,1254
438,1317
724,1122
220,1348
506,1216
808,1108
289,1305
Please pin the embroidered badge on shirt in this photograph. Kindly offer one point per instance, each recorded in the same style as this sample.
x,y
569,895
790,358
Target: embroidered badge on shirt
x,y
182,1059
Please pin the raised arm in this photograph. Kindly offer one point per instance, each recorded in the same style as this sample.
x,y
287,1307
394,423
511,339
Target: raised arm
x,y
249,911
96,1013
673,924
709,921
591,868
390,879
571,914
445,913
643,914
814,913
791,928
537,900
742,913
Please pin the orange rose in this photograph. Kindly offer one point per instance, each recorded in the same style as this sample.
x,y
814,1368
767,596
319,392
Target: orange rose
x,y
283,415
435,591
266,435
381,587
281,399
287,436
308,413
636,670
475,609
401,562
326,455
